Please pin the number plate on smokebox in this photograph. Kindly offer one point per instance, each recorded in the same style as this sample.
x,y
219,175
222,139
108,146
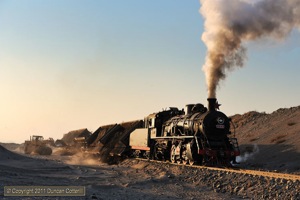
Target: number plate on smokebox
x,y
220,126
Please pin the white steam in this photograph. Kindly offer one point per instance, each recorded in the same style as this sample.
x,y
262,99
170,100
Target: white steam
x,y
228,23
248,155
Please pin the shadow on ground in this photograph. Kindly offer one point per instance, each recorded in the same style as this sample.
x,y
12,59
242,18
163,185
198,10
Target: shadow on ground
x,y
279,157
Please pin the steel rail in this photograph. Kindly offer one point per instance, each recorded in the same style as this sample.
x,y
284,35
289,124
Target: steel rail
x,y
292,177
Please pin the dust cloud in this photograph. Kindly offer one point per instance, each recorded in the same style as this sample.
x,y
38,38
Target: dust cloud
x,y
75,156
82,159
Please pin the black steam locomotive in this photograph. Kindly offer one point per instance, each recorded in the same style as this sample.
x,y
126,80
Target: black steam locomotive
x,y
196,135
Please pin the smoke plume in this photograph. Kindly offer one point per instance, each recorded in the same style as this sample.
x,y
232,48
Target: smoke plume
x,y
229,23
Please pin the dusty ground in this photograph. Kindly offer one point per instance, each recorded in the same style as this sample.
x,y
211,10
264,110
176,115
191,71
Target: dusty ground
x,y
130,179
268,142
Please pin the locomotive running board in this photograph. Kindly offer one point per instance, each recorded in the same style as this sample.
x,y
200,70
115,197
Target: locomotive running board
x,y
173,137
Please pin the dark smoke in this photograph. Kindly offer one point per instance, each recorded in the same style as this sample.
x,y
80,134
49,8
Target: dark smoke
x,y
229,23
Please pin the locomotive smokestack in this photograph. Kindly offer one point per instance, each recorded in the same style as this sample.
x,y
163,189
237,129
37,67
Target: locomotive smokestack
x,y
212,104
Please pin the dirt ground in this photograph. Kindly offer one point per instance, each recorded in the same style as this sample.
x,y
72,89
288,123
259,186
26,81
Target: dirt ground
x,y
131,179
267,141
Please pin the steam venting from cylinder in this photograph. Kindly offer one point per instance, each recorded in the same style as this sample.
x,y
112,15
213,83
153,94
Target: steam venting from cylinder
x,y
229,23
212,104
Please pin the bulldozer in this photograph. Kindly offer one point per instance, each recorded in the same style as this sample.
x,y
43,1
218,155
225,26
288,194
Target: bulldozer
x,y
37,145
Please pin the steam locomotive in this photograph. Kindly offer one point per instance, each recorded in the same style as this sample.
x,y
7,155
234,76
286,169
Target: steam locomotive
x,y
196,135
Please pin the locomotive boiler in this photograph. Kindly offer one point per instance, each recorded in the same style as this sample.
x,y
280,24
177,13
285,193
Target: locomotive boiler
x,y
195,135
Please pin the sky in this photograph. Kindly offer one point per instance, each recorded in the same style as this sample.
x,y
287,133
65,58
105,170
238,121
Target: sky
x,y
70,64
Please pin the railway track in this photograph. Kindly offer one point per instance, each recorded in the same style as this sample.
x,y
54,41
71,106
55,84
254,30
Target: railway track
x,y
277,175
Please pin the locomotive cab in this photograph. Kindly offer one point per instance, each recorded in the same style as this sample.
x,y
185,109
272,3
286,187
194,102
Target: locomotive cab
x,y
154,122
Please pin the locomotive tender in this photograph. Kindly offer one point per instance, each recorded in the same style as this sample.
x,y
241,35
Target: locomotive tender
x,y
196,135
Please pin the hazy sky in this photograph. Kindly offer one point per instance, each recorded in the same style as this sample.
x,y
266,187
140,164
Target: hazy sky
x,y
66,65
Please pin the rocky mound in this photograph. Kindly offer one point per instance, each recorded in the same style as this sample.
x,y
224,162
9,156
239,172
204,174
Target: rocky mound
x,y
10,146
8,155
270,141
